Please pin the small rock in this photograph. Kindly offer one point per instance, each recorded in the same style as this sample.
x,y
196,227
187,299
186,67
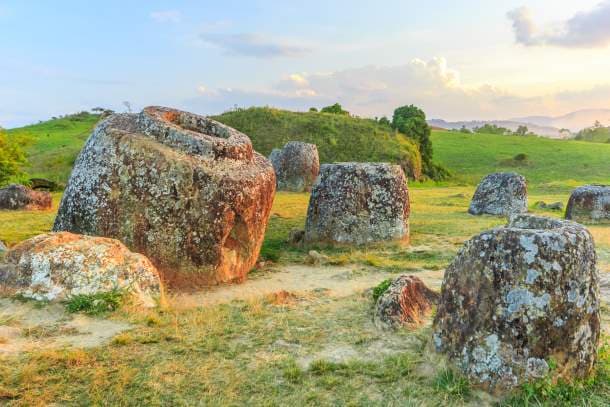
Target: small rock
x,y
358,203
518,296
315,258
56,266
555,206
503,193
17,196
406,302
296,166
589,203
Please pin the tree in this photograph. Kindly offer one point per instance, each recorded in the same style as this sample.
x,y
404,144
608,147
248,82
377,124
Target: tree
x,y
335,109
11,158
127,106
384,121
464,129
521,130
313,109
411,121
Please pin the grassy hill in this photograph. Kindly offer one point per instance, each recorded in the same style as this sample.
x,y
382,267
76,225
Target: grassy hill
x,y
548,163
555,164
338,137
52,146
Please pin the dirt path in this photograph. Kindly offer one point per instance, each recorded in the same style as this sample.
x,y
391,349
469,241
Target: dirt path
x,y
339,281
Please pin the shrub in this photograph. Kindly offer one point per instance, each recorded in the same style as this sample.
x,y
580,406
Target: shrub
x,y
11,159
381,288
95,304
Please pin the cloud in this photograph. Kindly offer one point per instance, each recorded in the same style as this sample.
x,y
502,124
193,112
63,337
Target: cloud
x,y
587,29
377,90
253,45
166,16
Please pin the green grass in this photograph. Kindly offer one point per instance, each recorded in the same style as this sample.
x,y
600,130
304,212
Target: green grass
x,y
339,138
95,304
52,146
551,164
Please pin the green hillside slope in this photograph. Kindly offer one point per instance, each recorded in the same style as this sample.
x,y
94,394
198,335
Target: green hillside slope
x,y
52,146
555,163
338,137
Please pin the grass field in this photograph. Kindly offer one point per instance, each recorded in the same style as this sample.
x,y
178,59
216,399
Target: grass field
x,y
284,351
52,146
554,165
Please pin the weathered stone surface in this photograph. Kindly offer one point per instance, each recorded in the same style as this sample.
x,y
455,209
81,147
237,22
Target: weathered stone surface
x,y
589,203
296,166
20,197
406,302
358,203
502,193
519,296
56,266
186,191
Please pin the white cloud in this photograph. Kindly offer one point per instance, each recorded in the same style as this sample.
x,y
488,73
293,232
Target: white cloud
x,y
378,90
166,16
254,45
586,29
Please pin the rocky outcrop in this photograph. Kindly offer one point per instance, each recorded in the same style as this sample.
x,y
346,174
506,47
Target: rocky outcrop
x,y
518,299
589,204
406,302
186,191
502,193
20,197
56,266
296,166
358,203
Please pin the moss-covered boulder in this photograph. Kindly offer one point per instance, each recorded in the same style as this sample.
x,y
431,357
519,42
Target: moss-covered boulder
x,y
296,166
589,204
358,203
520,299
501,194
57,266
186,191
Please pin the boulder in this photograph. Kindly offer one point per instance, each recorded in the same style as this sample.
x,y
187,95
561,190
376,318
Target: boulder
x,y
358,203
518,299
186,191
17,196
56,266
589,204
555,206
296,166
406,302
502,193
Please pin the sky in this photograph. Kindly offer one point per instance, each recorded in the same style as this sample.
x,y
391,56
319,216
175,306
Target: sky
x,y
458,60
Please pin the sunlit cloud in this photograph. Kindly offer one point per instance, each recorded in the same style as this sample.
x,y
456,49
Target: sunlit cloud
x,y
586,29
254,45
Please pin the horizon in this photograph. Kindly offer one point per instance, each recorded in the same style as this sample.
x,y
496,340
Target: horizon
x,y
473,61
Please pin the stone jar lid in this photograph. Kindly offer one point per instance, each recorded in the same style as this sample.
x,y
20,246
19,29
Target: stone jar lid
x,y
194,134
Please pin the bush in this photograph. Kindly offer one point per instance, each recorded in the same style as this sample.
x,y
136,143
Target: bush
x,y
521,157
95,304
11,159
381,288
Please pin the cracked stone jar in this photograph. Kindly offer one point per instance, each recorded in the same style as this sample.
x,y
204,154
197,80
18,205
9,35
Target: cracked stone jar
x,y
188,192
520,299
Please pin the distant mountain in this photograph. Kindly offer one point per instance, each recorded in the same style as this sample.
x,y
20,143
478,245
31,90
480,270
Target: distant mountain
x,y
541,130
574,121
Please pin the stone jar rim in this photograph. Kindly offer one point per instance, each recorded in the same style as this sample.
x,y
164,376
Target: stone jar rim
x,y
194,134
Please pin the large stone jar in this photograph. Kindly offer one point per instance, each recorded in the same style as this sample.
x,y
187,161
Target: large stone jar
x,y
186,191
518,299
358,203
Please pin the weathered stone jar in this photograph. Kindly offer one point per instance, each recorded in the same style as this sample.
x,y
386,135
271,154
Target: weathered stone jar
x,y
358,203
186,191
589,204
296,166
17,196
517,297
502,194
